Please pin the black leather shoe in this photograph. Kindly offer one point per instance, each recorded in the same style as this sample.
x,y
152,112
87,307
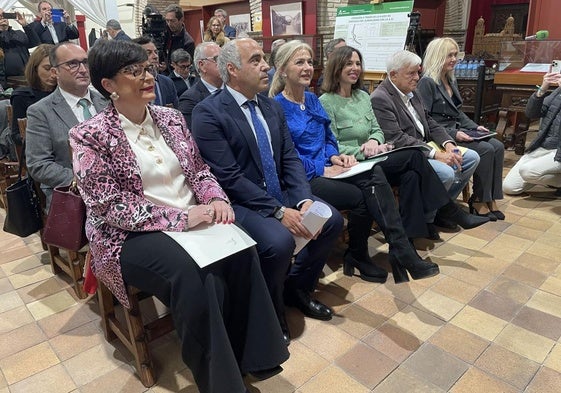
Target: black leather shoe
x,y
368,271
433,233
452,213
285,330
442,222
302,300
262,375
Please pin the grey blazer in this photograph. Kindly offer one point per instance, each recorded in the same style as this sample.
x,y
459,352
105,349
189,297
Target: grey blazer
x,y
47,151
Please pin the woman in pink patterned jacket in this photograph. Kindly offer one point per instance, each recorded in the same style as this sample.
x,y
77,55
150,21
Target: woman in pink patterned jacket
x,y
140,174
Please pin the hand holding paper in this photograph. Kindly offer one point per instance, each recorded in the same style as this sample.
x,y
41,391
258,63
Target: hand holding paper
x,y
313,220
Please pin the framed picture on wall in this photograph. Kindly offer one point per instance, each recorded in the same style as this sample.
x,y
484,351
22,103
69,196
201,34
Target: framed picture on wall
x,y
286,19
241,22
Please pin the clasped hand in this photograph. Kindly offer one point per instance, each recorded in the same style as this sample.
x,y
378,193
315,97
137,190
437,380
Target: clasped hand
x,y
340,164
372,148
449,157
217,211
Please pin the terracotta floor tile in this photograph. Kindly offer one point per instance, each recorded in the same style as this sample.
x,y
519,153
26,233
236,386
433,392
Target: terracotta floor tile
x,y
525,343
15,253
508,366
475,380
465,272
511,289
333,380
545,381
3,383
524,232
478,322
436,366
506,247
438,305
39,290
546,302
553,360
19,339
302,365
65,320
382,304
30,276
28,362
552,285
122,380
537,321
51,380
76,341
51,305
14,319
393,341
459,342
534,224
179,382
524,275
545,251
419,323
406,292
349,288
21,265
9,301
500,307
331,343
357,321
366,365
403,380
100,360
5,285
491,265
456,289
537,263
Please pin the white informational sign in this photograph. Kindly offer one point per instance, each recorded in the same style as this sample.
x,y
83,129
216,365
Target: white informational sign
x,y
376,30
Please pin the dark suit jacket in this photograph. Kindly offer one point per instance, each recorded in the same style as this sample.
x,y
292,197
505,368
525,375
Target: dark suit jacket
x,y
180,85
190,98
228,145
64,32
229,31
165,91
397,122
441,107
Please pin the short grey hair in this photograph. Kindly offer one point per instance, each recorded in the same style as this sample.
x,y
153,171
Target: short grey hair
x,y
113,24
330,46
180,55
400,59
221,11
230,54
200,53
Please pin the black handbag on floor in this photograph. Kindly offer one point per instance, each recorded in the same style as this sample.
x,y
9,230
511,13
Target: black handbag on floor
x,y
23,214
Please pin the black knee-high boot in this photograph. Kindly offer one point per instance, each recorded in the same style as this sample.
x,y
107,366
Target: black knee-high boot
x,y
403,258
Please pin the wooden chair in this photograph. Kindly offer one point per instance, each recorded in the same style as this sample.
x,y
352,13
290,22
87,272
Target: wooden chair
x,y
8,169
131,330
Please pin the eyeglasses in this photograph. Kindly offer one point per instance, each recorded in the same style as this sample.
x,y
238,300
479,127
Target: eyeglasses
x,y
74,65
182,66
214,59
137,70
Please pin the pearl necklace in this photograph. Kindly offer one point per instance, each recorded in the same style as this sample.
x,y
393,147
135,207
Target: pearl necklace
x,y
294,100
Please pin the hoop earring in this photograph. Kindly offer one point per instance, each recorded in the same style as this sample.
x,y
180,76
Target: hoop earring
x,y
114,96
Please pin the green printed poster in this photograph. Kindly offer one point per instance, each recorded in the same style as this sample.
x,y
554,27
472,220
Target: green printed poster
x,y
376,30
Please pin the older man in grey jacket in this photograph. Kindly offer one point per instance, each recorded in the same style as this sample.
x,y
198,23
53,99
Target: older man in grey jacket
x,y
49,120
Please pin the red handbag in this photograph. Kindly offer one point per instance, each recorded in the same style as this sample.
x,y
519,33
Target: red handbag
x,y
65,224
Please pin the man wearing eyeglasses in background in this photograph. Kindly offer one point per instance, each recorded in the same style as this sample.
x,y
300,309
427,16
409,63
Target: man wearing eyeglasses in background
x,y
182,75
50,32
210,82
166,95
49,120
176,36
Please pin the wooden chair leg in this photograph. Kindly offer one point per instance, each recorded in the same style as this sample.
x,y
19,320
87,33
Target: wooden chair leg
x,y
107,311
72,264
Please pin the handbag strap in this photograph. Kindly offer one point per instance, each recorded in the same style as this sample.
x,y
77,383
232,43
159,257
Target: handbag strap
x,y
21,160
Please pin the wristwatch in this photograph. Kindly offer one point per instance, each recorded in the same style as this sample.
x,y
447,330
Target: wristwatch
x,y
279,213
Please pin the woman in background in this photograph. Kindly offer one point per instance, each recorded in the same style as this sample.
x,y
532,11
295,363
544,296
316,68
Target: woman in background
x,y
41,82
215,32
439,91
140,174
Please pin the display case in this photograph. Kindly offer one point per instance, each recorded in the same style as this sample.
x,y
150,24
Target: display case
x,y
522,65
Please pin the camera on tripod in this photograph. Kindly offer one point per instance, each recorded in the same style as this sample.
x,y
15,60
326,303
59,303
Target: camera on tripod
x,y
154,25
413,42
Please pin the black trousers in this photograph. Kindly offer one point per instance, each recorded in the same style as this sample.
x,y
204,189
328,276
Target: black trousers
x,y
223,313
488,176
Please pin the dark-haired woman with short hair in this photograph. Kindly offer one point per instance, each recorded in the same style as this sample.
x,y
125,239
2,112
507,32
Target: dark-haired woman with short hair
x,y
140,174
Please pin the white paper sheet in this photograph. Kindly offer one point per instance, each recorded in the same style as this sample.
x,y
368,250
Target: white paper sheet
x,y
313,220
536,67
210,243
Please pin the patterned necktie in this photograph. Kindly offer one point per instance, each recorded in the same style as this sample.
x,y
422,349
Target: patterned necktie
x,y
267,160
85,110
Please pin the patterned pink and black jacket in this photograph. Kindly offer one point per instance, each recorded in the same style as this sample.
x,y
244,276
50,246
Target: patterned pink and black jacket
x,y
110,184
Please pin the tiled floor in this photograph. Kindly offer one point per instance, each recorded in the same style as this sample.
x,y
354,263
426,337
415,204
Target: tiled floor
x,y
490,322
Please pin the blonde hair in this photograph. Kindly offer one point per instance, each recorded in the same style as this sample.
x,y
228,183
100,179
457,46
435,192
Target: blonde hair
x,y
436,56
220,38
282,57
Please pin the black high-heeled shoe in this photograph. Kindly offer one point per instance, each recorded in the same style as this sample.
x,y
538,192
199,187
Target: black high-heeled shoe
x,y
473,210
368,271
499,214
417,269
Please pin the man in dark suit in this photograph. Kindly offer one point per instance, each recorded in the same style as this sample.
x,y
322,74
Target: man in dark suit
x,y
405,121
166,95
115,31
50,32
206,55
244,138
182,75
